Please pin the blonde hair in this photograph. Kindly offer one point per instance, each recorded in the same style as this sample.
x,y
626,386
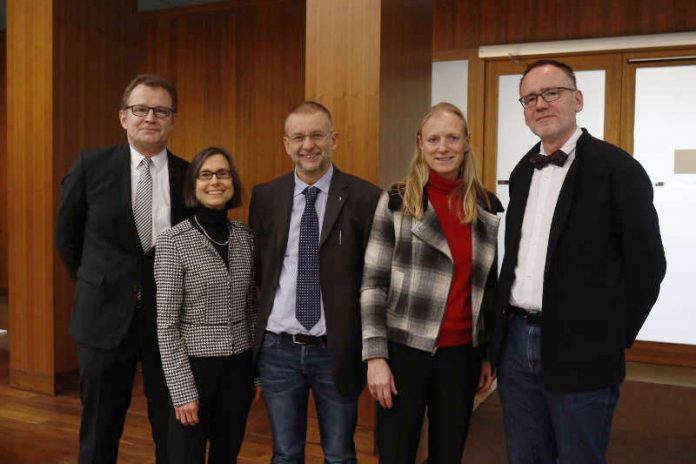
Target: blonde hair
x,y
466,195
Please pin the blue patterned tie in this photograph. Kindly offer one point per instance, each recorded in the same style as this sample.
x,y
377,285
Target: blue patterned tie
x,y
308,296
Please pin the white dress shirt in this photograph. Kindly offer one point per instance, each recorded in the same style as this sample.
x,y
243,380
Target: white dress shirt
x,y
161,201
282,317
528,287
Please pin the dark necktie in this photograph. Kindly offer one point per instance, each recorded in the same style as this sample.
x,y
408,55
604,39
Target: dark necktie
x,y
308,292
540,161
142,209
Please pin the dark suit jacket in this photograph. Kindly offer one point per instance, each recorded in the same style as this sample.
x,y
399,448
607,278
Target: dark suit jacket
x,y
604,265
346,228
98,242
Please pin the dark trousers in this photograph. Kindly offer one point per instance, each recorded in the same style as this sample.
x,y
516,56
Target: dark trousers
x,y
106,384
225,388
445,383
542,426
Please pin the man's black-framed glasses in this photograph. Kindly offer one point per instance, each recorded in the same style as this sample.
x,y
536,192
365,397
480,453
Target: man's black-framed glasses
x,y
161,112
549,95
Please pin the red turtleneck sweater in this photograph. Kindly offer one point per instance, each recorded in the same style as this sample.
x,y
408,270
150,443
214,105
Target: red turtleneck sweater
x,y
456,326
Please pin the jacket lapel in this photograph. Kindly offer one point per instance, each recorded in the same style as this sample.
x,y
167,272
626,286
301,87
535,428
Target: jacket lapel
x,y
177,211
565,199
430,231
283,208
521,182
338,194
484,235
125,198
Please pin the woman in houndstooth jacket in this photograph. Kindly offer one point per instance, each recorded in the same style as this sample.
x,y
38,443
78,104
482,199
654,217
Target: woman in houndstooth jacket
x,y
206,315
430,269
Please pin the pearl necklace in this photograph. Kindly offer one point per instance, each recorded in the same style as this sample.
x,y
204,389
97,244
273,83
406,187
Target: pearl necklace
x,y
208,236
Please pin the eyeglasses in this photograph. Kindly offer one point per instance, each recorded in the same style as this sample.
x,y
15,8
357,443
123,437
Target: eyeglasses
x,y
549,95
161,112
450,140
314,137
220,174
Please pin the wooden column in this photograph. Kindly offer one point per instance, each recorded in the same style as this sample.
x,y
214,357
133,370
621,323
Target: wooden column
x,y
3,164
68,63
369,62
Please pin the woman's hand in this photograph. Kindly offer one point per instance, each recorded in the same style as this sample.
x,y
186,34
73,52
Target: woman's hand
x,y
486,378
187,413
380,381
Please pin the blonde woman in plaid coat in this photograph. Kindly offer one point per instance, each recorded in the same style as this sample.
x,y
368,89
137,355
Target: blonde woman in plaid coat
x,y
429,277
206,314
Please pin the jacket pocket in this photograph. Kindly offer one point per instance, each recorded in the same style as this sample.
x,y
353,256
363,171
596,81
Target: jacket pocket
x,y
396,289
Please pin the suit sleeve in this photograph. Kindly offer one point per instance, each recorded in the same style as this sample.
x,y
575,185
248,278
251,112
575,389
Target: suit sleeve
x,y
169,276
376,282
641,245
71,217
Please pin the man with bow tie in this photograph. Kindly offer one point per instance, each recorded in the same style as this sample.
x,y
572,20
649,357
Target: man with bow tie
x,y
582,269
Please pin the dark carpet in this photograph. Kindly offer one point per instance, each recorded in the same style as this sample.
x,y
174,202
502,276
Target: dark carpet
x,y
653,424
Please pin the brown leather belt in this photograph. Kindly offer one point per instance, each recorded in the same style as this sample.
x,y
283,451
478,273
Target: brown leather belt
x,y
532,318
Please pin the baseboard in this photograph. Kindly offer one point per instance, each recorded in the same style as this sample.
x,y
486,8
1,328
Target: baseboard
x,y
37,382
666,354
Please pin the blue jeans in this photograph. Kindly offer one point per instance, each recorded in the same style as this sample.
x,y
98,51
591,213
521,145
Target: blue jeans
x,y
543,427
288,372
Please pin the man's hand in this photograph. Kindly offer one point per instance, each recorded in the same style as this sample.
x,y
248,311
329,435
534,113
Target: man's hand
x,y
380,381
486,378
187,413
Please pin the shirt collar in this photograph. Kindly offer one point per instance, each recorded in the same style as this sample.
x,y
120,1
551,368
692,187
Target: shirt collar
x,y
159,160
569,145
322,184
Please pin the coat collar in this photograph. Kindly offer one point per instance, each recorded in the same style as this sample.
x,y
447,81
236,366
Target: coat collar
x,y
338,195
565,198
283,209
130,237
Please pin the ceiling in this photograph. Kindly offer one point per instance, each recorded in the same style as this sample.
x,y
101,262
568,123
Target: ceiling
x,y
143,5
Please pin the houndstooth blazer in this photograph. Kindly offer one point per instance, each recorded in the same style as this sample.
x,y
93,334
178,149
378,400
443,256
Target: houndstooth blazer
x,y
203,308
408,272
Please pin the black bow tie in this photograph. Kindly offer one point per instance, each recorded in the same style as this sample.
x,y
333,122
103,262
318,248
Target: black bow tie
x,y
540,161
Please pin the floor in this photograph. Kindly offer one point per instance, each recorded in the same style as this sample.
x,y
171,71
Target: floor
x,y
27,418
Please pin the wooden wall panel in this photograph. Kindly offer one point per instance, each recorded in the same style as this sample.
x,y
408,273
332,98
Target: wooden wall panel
x,y
3,161
66,63
343,73
238,68
30,182
461,24
405,83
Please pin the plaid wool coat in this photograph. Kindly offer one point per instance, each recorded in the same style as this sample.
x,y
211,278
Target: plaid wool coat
x,y
408,272
204,308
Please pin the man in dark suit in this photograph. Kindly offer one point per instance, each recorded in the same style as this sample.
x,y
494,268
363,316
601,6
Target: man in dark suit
x,y
311,228
582,269
114,203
